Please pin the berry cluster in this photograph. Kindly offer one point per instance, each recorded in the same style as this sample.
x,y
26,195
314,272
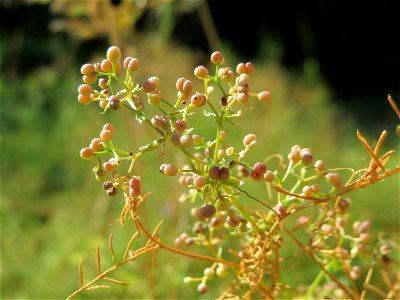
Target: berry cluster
x,y
216,174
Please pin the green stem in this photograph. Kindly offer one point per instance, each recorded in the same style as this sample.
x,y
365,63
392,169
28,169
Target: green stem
x,y
217,141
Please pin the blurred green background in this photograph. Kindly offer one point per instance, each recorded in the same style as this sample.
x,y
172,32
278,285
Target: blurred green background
x,y
54,212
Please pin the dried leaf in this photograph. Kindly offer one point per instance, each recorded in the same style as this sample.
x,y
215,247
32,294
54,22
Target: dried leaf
x,y
97,287
112,249
115,281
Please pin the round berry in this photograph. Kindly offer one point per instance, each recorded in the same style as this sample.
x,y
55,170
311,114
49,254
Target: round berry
x,y
113,54
240,68
134,192
187,86
201,72
202,288
214,172
86,153
306,156
243,97
106,66
179,83
206,211
175,138
269,176
87,69
209,273
133,64
96,145
255,176
106,135
107,185
249,67
108,167
180,125
217,58
198,100
248,139
264,96
186,140
113,103
135,183
149,86
259,168
108,126
170,170
89,79
112,191
154,98
103,83
224,173
333,178
85,100
199,182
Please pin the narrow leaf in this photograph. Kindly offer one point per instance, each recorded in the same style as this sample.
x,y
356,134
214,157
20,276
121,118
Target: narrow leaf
x,y
97,287
80,273
393,105
98,260
112,249
115,281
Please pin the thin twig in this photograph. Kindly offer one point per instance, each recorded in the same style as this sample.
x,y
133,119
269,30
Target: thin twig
x,y
98,260
112,249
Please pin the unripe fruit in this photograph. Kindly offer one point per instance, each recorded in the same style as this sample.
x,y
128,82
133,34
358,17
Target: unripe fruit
x,y
89,79
243,97
240,68
86,153
103,83
242,88
112,191
306,156
217,58
114,103
180,125
319,167
198,100
202,288
170,170
186,140
249,68
179,83
175,138
199,182
106,135
85,100
154,98
201,72
269,176
264,96
113,54
248,139
106,66
209,273
108,167
222,270
206,211
109,126
96,145
87,69
333,178
85,89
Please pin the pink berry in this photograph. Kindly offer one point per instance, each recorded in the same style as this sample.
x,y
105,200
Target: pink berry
x,y
106,135
86,153
135,183
264,96
133,64
217,58
233,220
198,100
259,168
170,170
249,68
108,126
149,86
106,66
214,172
113,54
201,72
180,125
224,173
96,145
87,69
179,83
199,182
89,79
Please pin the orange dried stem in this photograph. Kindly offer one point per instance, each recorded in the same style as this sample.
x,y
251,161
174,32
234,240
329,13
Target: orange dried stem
x,y
130,244
98,259
112,249
393,105
362,139
115,281
80,273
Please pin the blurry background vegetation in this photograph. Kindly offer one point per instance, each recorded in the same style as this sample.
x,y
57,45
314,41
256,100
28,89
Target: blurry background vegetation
x,y
53,212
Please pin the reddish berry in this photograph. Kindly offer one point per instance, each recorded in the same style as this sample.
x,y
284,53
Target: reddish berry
x,y
264,96
85,89
108,167
186,140
259,168
199,182
96,145
198,100
134,192
126,62
85,100
149,86
306,156
87,69
113,54
217,58
135,183
187,86
233,220
255,176
249,68
224,173
87,153
201,72
179,83
106,135
107,185
106,66
170,170
108,126
180,125
240,68
112,191
202,288
206,211
114,103
214,172
89,79
133,64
